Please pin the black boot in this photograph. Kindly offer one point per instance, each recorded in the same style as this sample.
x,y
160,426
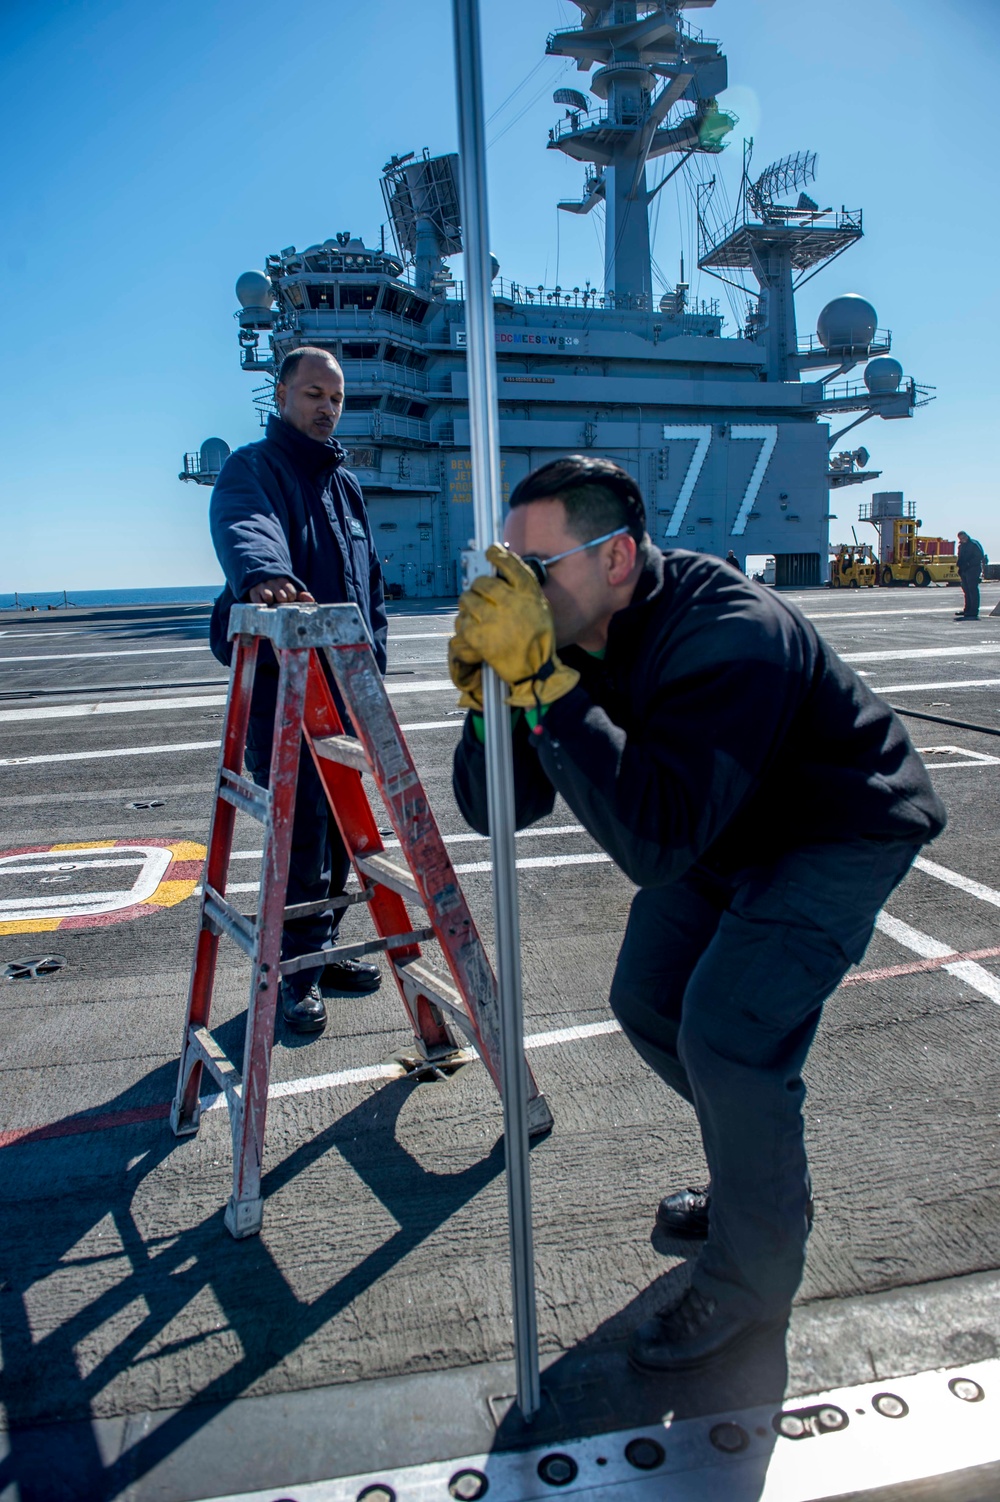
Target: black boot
x,y
685,1213
355,976
692,1331
304,1012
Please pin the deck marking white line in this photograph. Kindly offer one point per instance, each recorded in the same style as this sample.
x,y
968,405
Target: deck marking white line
x,y
978,758
531,862
310,1083
432,685
470,868
109,706
455,724
910,654
451,839
913,688
30,761
888,614
129,652
955,879
571,1034
135,706
932,949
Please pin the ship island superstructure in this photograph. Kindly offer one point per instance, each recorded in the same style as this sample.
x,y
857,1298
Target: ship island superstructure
x,y
729,436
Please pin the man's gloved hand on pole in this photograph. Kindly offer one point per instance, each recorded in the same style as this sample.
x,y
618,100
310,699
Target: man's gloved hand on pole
x,y
466,668
505,620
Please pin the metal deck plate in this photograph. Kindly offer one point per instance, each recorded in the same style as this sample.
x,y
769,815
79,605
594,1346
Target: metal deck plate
x,y
848,1442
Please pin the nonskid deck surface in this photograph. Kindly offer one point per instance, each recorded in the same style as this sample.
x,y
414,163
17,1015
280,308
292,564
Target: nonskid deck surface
x,y
125,1307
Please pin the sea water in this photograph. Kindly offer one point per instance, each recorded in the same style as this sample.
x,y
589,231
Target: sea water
x,y
180,594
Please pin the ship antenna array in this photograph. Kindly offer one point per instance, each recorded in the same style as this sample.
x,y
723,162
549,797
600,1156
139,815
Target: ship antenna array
x,y
784,176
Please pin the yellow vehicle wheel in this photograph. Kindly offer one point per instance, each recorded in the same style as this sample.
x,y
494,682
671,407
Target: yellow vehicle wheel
x,y
921,577
855,584
887,576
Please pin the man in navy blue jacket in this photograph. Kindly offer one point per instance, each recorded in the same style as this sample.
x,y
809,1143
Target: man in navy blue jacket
x,y
289,524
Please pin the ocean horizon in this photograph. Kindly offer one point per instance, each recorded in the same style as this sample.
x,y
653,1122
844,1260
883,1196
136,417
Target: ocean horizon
x,y
170,594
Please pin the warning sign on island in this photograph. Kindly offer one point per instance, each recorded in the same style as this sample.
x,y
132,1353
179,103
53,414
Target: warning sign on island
x,y
94,883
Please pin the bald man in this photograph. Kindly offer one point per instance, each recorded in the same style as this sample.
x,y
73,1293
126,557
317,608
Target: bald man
x,y
289,523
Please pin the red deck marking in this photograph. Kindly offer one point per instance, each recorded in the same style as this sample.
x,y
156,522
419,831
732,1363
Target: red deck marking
x,y
886,972
72,1126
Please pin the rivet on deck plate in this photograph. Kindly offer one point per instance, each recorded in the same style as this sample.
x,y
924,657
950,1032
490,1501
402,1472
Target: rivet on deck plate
x,y
729,1438
890,1406
644,1453
557,1470
468,1486
791,1426
966,1389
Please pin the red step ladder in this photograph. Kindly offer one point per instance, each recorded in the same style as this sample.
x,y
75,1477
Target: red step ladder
x,y
443,1007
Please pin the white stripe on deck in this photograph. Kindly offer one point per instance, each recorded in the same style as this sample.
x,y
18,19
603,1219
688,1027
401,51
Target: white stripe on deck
x,y
955,879
534,833
309,1084
138,706
532,862
911,654
176,746
480,868
915,688
932,949
470,868
129,652
887,613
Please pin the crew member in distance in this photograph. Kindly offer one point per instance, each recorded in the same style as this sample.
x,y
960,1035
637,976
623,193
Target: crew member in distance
x,y
762,799
289,523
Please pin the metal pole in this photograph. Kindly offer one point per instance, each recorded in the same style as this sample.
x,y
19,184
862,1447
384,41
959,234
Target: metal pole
x,y
485,454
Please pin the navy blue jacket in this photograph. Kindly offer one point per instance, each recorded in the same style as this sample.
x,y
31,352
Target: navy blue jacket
x,y
971,557
719,729
287,507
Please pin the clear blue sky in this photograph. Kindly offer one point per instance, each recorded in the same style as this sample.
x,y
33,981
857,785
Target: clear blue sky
x,y
155,152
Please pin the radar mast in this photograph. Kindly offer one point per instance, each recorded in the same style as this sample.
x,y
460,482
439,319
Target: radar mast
x,y
650,60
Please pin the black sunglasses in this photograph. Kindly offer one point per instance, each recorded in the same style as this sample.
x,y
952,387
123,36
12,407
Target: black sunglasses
x,y
540,566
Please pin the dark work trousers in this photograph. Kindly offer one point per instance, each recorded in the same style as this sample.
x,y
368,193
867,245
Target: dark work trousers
x,y
720,986
970,589
319,863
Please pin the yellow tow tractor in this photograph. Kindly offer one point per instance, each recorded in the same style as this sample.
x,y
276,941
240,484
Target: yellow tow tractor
x,y
854,567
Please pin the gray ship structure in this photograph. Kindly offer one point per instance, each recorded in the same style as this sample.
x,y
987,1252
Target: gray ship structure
x,y
729,435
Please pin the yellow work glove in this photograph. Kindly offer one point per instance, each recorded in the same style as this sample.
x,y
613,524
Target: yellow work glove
x,y
466,668
505,620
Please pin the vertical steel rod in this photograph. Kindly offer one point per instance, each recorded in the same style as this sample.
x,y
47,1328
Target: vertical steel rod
x,y
485,453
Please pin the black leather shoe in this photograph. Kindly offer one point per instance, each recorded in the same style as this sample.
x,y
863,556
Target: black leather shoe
x,y
304,1014
691,1332
685,1213
355,976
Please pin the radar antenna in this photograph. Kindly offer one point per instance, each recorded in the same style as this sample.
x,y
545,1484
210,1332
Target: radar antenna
x,y
791,172
421,196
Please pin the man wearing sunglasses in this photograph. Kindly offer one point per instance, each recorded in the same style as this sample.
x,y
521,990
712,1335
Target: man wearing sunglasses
x,y
762,799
